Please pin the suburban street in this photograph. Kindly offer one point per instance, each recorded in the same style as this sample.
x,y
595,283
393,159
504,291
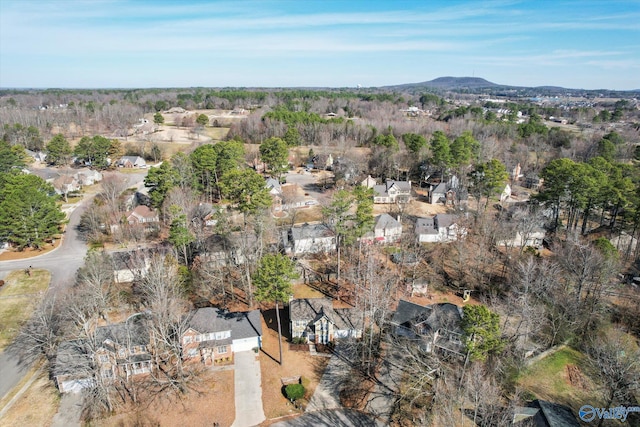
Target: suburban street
x,y
63,263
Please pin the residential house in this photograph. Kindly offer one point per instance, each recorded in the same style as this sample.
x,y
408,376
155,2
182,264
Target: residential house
x,y
205,214
227,250
273,185
318,322
38,156
129,266
386,229
436,327
392,192
73,367
448,192
533,182
143,215
534,238
309,239
131,162
438,229
369,182
88,177
124,349
121,350
214,335
65,184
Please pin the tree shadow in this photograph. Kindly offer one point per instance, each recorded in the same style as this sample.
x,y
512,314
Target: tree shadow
x,y
272,323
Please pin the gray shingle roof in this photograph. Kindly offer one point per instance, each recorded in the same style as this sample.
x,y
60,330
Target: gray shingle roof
x,y
431,317
244,324
310,231
311,309
426,226
386,222
131,333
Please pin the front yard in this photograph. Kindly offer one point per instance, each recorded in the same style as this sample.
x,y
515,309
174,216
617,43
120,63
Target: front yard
x,y
19,296
213,402
296,363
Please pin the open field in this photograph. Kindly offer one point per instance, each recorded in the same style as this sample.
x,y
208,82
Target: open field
x,y
18,298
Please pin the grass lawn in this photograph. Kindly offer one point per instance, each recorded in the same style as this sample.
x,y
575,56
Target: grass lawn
x,y
216,134
305,291
18,298
36,407
562,377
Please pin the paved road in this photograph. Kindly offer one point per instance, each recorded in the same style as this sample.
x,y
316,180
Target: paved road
x,y
63,263
331,418
248,390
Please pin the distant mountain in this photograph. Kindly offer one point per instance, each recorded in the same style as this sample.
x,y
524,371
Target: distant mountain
x,y
449,83
478,85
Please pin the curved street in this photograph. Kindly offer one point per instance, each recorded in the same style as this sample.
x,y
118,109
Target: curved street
x,y
63,263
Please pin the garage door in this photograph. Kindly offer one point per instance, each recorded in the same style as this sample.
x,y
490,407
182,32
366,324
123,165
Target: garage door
x,y
74,386
245,344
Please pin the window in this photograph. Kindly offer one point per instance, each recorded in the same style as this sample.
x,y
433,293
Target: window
x,y
122,352
104,358
221,349
107,373
188,339
193,352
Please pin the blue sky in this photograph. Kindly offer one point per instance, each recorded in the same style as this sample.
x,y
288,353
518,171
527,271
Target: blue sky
x,y
113,43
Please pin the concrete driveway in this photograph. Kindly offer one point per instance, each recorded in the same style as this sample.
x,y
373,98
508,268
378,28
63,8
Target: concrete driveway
x,y
248,390
327,393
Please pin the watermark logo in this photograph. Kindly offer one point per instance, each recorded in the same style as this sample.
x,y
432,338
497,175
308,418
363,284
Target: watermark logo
x,y
588,413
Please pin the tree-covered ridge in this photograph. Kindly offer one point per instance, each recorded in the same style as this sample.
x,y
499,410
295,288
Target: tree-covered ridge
x,y
292,118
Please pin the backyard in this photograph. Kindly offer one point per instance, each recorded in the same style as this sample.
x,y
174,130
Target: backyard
x,y
562,377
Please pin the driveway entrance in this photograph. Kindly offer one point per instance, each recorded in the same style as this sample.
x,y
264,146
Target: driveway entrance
x,y
248,390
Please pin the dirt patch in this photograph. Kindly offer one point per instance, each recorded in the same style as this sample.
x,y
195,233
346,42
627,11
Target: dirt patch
x,y
295,363
437,297
215,404
574,377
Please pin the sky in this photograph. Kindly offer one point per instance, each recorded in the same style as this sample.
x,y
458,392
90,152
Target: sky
x,y
587,44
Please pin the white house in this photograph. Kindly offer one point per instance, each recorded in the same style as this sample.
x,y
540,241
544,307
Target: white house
x,y
130,265
88,177
309,239
369,182
392,192
533,239
438,229
386,229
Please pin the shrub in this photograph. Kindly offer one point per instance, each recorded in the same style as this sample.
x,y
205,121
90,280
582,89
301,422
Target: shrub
x,y
294,391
